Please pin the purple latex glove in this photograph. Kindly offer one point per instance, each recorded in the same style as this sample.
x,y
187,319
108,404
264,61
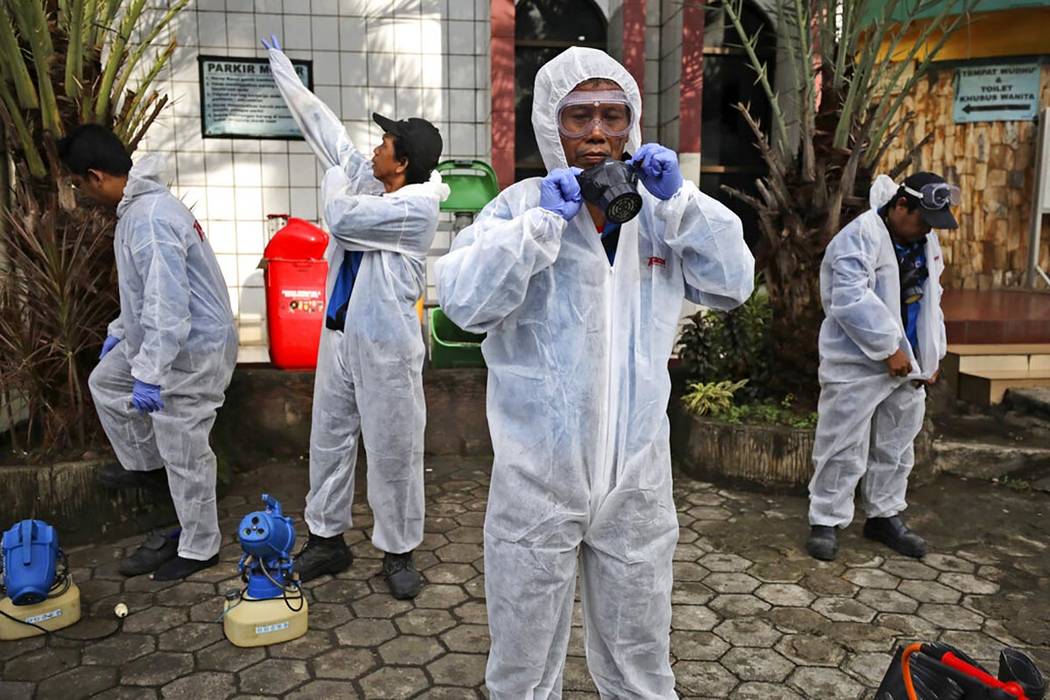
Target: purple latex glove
x,y
146,397
272,42
658,170
108,344
560,193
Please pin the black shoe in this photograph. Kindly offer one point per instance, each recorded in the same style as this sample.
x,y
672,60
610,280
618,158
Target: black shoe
x,y
179,568
156,549
114,476
322,555
822,543
894,534
400,573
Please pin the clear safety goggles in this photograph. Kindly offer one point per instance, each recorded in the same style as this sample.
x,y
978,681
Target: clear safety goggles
x,y
936,195
581,111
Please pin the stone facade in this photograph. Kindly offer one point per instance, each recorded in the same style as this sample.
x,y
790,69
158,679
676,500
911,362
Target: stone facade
x,y
993,163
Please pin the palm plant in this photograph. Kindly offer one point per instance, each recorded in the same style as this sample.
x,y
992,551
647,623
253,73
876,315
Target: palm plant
x,y
852,65
64,63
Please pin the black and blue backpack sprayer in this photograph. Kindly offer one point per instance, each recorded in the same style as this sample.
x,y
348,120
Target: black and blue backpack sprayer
x,y
39,594
271,607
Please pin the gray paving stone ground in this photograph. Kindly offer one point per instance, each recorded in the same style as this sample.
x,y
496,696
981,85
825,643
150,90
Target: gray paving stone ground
x,y
754,618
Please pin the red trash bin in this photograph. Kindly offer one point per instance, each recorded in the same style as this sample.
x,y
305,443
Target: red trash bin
x,y
295,271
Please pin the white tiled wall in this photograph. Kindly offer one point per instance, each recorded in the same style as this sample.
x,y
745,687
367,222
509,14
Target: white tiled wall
x,y
401,58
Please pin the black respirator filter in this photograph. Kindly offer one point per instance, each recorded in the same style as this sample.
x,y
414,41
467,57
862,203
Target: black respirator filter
x,y
612,186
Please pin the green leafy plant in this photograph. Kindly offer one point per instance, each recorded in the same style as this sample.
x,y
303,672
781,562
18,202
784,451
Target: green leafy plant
x,y
733,345
63,63
711,398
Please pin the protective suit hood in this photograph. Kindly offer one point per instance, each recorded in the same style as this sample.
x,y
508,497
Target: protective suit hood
x,y
882,191
148,175
557,78
434,188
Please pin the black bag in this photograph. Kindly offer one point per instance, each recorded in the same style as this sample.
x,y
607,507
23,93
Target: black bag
x,y
942,672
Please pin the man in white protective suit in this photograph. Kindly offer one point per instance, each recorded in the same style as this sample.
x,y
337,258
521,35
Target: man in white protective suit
x,y
581,317
381,215
881,344
169,356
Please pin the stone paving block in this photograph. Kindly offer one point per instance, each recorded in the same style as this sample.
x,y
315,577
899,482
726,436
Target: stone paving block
x,y
948,562
785,595
190,636
693,617
910,625
698,646
872,578
157,668
869,668
968,583
9,650
380,605
738,605
467,638
731,583
796,620
407,650
326,616
186,594
979,646
155,620
449,693
825,683
811,650
444,596
757,664
223,656
689,552
703,678
472,613
843,610
427,623
780,571
203,686
311,644
272,676
365,632
450,573
466,670
950,617
763,691
825,583
77,683
691,593
16,690
977,555
725,563
930,592
393,683
344,663
887,601
118,649
125,692
576,676
910,569
340,591
860,637
323,690
688,571
37,665
748,632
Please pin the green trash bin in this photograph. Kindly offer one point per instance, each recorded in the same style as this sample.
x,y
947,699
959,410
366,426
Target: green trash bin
x,y
450,345
472,185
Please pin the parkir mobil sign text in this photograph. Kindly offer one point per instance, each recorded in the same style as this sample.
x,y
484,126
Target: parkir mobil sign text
x,y
239,99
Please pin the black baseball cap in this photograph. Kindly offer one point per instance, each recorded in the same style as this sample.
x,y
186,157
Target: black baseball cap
x,y
936,218
420,139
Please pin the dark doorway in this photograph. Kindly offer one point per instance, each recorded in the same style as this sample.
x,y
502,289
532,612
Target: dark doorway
x,y
542,30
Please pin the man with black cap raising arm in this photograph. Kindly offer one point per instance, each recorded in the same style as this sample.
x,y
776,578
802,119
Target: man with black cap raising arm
x,y
382,215
881,344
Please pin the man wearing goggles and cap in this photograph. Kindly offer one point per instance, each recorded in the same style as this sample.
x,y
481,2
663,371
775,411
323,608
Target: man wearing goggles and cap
x,y
382,215
581,314
881,343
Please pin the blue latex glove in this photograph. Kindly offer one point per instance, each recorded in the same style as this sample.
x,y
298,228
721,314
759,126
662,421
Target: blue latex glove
x,y
272,42
108,344
560,193
146,397
658,170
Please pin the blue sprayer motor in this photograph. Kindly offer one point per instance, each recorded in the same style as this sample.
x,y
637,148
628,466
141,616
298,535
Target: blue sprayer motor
x,y
267,537
30,561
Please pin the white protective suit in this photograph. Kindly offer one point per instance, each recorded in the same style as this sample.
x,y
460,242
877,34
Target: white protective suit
x,y
177,332
578,387
369,376
868,420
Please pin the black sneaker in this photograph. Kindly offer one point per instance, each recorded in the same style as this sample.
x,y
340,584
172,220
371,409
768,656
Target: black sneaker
x,y
400,573
156,549
893,533
114,476
179,568
322,555
822,543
